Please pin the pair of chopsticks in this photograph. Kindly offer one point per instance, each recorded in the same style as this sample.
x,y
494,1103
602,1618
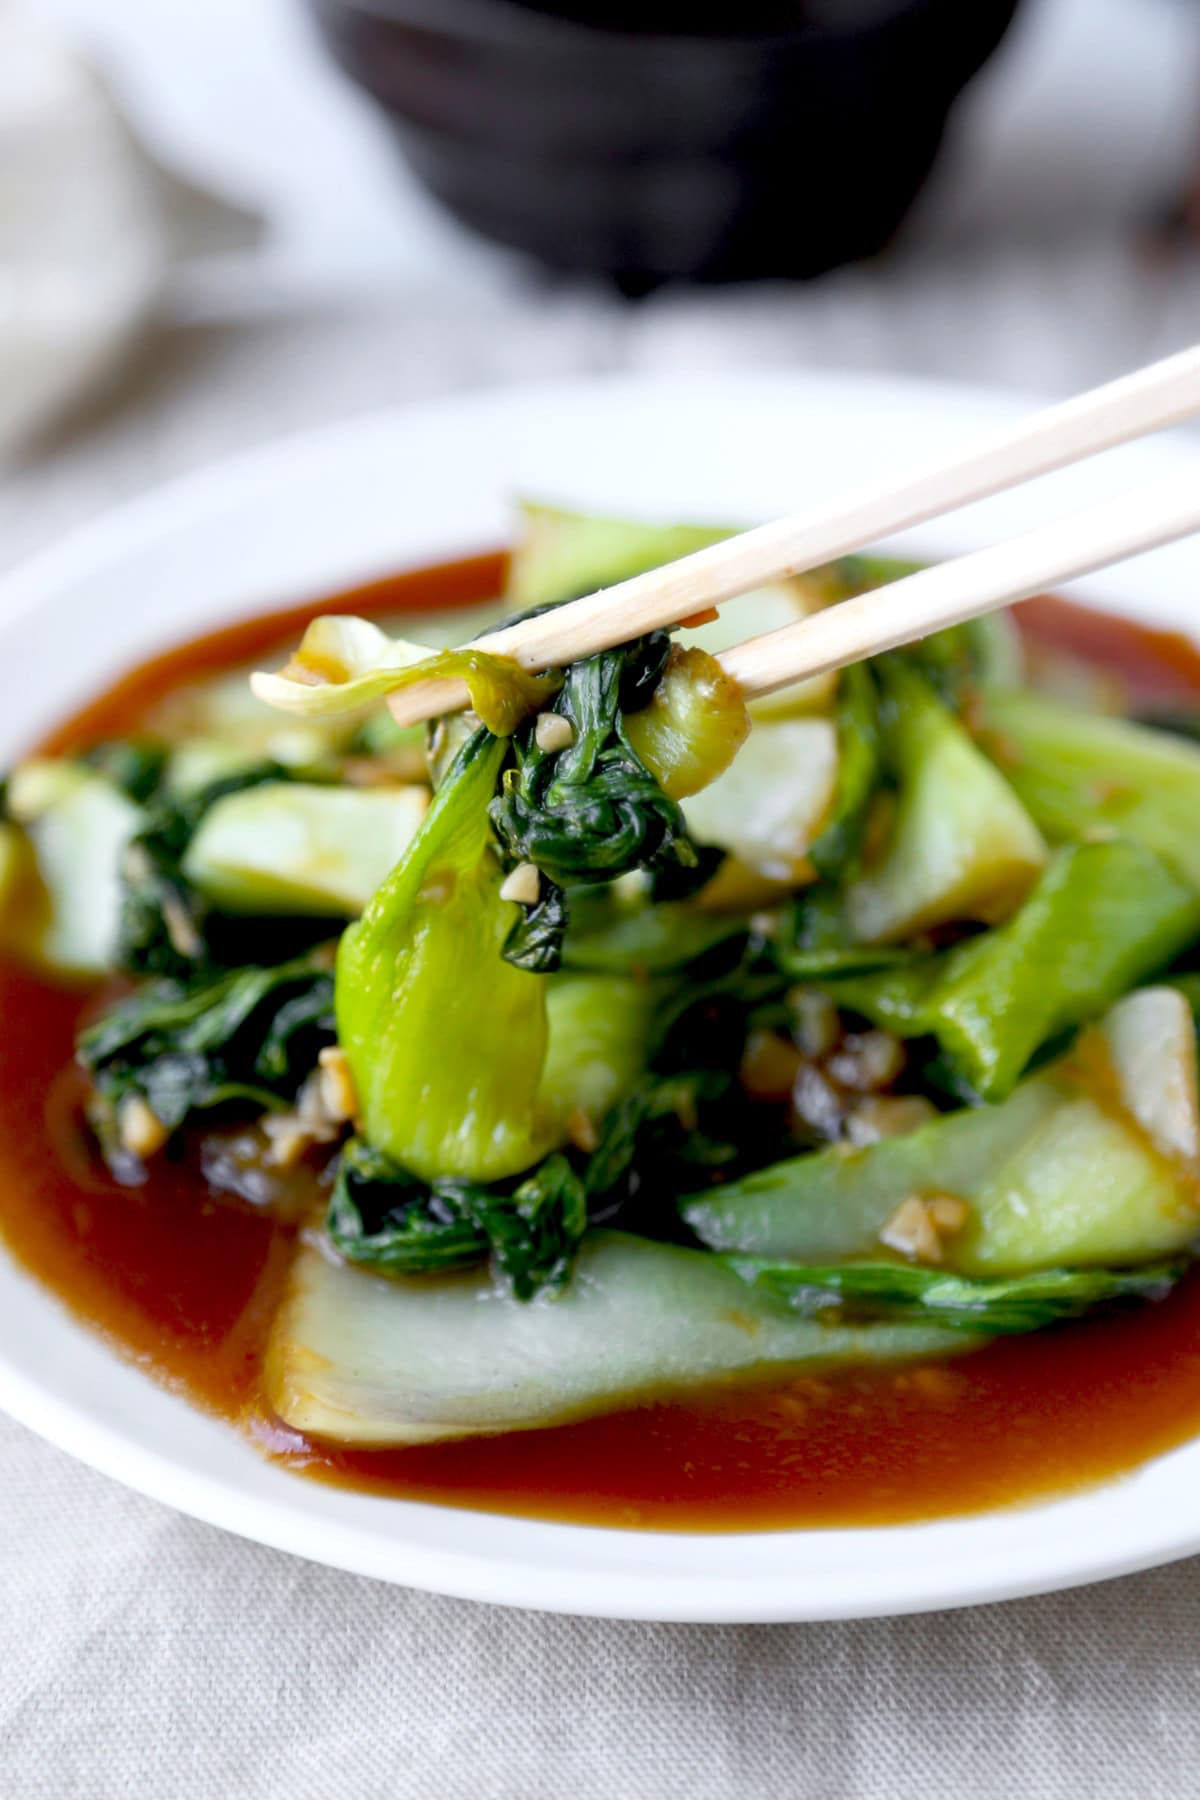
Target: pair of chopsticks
x,y
1164,394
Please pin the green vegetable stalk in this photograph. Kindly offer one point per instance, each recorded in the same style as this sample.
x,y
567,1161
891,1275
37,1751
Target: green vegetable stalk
x,y
962,846
1091,1163
446,1040
1083,774
1103,917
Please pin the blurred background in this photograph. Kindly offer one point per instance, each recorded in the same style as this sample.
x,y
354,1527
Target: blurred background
x,y
221,220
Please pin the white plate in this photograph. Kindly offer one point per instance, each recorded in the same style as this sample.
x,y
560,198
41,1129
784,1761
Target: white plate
x,y
325,511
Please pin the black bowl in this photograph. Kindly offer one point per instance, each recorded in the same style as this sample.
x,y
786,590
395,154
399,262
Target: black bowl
x,y
712,153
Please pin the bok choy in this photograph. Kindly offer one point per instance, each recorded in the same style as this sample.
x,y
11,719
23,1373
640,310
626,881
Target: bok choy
x,y
636,1038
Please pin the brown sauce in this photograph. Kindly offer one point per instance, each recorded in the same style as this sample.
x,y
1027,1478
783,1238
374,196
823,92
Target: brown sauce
x,y
184,1281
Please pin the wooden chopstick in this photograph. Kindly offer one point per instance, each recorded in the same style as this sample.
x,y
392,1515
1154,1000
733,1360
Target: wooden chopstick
x,y
1150,399
949,593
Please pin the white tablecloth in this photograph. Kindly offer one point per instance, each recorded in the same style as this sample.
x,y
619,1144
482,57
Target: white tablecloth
x,y
143,1654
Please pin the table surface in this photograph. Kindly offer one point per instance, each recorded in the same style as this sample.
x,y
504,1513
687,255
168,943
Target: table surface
x,y
144,1652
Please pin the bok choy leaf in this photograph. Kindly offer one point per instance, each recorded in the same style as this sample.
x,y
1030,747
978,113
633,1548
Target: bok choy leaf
x,y
75,827
165,926
446,1040
1103,917
1081,774
859,774
248,1037
890,1290
301,847
382,1218
346,664
592,811
1075,1168
962,846
368,1361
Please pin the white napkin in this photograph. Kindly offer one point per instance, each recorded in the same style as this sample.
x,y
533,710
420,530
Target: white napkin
x,y
89,225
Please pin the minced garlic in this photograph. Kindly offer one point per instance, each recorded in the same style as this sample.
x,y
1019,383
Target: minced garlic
x,y
141,1131
919,1224
337,1084
523,885
552,732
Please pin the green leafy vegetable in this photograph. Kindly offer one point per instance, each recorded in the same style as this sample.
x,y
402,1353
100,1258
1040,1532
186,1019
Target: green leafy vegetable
x,y
814,940
448,1085
962,845
535,942
76,827
406,1361
251,1036
317,849
889,1290
345,664
664,1135
1081,774
590,812
1073,1169
383,1218
164,917
1103,917
609,933
135,765
692,725
859,773
561,554
770,805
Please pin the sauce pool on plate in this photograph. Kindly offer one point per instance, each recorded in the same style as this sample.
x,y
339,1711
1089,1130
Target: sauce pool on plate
x,y
184,1279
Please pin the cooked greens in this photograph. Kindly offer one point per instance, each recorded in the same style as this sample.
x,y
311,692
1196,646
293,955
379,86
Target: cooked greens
x,y
1103,917
996,1308
300,847
384,1219
75,826
345,664
248,1037
663,1039
164,914
1085,774
1069,1171
590,811
961,846
448,1070
407,1361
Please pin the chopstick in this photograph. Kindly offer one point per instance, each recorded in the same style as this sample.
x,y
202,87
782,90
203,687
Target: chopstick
x,y
1150,399
951,592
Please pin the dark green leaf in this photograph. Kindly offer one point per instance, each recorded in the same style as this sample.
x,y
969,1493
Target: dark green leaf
x,y
383,1218
250,1036
900,1291
387,1220
135,765
658,1137
535,1232
536,940
593,811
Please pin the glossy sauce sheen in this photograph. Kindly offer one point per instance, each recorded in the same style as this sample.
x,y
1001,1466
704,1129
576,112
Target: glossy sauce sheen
x,y
185,1281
